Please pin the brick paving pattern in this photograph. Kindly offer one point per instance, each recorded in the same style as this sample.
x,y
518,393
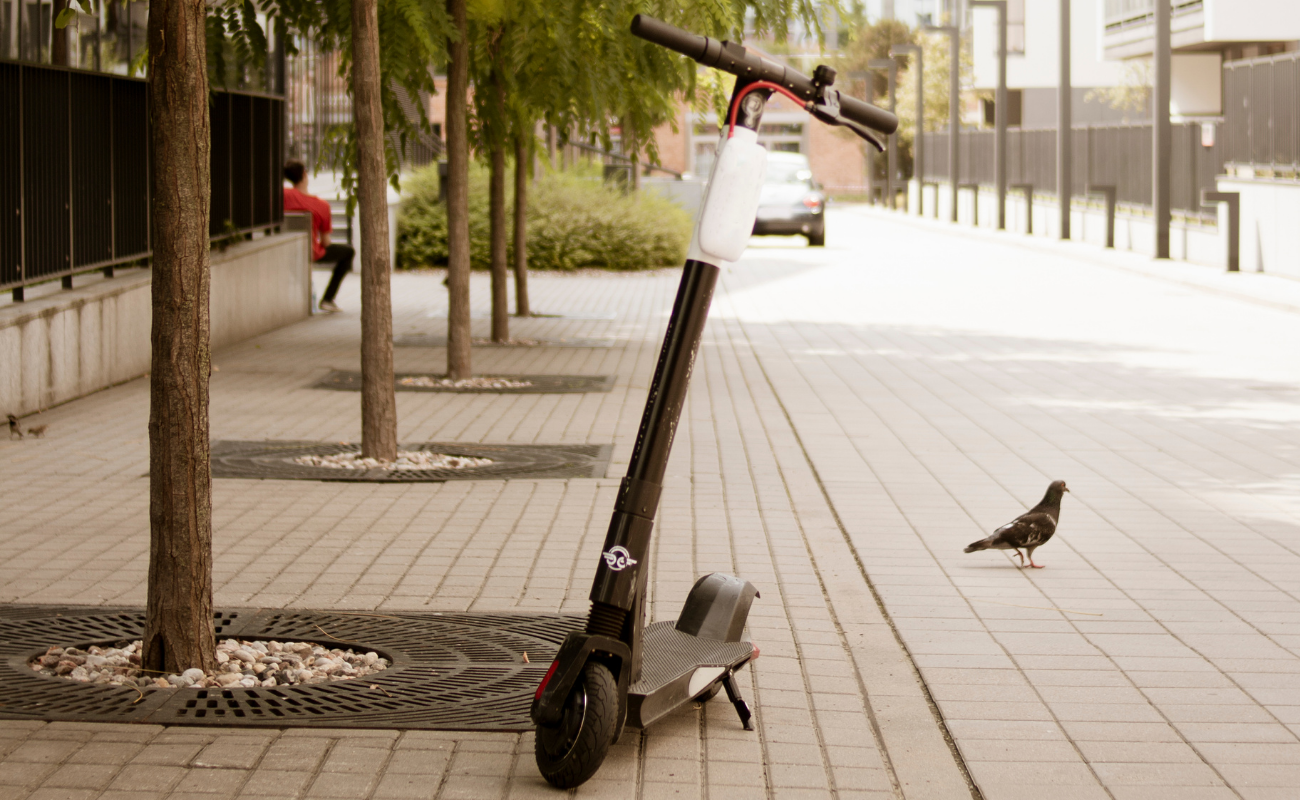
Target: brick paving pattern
x,y
858,414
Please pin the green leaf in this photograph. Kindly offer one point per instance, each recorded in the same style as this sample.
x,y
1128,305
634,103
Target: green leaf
x,y
65,17
140,63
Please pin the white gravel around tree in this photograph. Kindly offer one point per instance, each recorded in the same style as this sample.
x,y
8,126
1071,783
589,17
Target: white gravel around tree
x,y
240,663
406,459
430,382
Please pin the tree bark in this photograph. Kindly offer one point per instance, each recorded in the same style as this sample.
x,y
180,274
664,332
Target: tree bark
x,y
378,401
58,36
630,150
178,632
458,330
499,241
523,164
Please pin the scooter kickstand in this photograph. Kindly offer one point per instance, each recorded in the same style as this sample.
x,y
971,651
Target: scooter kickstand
x,y
733,694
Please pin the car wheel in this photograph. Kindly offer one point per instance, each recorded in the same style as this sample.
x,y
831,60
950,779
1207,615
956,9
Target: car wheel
x,y
817,238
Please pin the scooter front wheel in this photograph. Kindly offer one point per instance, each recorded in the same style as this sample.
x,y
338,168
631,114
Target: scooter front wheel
x,y
571,751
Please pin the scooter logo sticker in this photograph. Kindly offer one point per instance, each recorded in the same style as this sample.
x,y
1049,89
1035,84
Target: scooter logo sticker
x,y
618,558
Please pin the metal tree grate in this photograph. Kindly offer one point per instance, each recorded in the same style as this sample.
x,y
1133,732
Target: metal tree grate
x,y
346,381
275,461
440,340
449,671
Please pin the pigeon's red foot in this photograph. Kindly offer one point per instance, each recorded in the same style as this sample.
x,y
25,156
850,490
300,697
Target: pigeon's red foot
x,y
1032,565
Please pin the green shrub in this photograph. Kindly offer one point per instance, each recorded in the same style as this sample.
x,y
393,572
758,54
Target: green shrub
x,y
574,221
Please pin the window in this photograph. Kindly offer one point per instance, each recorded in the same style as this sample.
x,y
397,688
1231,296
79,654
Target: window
x,y
1015,108
1016,26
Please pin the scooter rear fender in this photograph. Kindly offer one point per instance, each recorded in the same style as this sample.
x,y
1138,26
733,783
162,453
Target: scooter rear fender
x,y
717,607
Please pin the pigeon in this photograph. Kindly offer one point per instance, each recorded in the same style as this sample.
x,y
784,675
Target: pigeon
x,y
14,428
1030,530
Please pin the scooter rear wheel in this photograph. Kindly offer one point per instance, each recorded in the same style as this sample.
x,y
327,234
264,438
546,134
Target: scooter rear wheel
x,y
570,752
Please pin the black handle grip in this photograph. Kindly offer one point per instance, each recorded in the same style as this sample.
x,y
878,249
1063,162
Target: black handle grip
x,y
866,114
670,36
733,58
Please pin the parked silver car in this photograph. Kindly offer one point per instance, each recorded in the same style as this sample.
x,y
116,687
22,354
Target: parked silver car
x,y
792,204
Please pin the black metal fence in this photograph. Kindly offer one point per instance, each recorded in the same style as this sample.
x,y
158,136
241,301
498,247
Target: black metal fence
x,y
247,162
75,168
1104,155
320,111
1261,102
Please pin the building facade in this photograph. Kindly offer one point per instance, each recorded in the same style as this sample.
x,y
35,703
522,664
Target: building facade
x,y
1203,35
1033,47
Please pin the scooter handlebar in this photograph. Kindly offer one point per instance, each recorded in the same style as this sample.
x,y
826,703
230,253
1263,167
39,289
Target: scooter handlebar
x,y
864,113
733,58
670,36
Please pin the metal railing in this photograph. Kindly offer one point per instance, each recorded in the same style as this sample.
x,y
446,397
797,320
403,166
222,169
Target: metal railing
x,y
247,165
1120,14
319,111
75,169
1261,102
1104,155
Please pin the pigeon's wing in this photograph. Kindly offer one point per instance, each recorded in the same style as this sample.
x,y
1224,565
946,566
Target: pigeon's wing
x,y
1028,530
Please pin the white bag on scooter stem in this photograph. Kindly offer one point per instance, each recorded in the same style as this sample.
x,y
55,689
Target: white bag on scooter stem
x,y
732,203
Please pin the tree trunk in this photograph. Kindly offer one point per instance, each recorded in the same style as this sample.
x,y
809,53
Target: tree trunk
x,y
58,36
499,241
523,163
178,631
630,150
458,331
378,401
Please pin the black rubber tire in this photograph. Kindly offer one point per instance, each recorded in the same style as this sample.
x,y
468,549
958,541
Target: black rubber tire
x,y
818,237
569,753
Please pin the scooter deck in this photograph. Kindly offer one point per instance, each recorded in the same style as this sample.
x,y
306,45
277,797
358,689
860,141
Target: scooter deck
x,y
678,667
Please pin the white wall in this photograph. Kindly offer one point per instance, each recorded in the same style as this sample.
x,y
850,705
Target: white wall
x,y
1270,238
1251,20
1037,67
72,343
1196,81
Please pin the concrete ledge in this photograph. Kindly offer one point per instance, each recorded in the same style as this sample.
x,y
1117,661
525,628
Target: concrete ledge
x,y
259,286
1270,239
1200,244
65,345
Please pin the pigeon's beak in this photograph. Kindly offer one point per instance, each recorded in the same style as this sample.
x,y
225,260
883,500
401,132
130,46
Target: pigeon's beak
x,y
1066,488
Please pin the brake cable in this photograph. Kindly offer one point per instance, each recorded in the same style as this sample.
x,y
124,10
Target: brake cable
x,y
731,117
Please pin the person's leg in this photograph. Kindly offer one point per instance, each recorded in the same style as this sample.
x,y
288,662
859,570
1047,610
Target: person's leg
x,y
342,255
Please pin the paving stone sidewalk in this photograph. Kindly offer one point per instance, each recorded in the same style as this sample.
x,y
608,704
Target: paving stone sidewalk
x,y
858,414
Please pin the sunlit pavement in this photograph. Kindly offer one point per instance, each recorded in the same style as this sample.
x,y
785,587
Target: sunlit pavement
x,y
938,382
859,413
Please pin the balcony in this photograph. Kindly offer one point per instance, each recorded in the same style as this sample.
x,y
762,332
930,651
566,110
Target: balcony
x,y
1129,27
1197,25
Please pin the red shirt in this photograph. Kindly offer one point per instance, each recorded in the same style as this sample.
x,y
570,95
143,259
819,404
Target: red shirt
x,y
295,200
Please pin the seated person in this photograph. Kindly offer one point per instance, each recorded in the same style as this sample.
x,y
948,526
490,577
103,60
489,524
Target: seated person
x,y
322,252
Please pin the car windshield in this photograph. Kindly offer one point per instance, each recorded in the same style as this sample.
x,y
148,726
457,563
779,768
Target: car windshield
x,y
788,172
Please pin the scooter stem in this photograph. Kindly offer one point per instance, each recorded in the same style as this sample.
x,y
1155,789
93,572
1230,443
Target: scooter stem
x,y
617,593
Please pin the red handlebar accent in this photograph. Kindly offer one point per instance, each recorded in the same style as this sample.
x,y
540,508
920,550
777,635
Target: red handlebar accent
x,y
735,104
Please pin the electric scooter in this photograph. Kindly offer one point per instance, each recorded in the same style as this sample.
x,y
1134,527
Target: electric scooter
x,y
616,672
